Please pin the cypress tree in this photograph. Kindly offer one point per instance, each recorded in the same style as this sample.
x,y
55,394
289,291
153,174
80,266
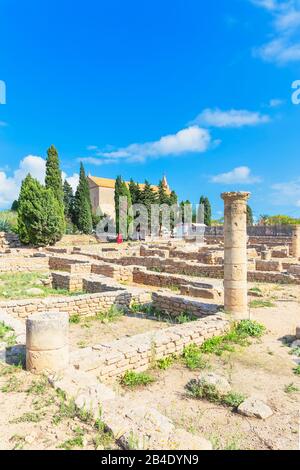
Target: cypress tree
x,y
135,192
83,205
39,214
148,198
249,215
53,178
118,193
207,210
68,201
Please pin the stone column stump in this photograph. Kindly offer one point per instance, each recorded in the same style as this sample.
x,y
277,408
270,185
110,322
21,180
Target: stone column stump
x,y
296,241
235,253
47,342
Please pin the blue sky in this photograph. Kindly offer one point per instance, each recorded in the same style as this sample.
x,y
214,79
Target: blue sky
x,y
200,91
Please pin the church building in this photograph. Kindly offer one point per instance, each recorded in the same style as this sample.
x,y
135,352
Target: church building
x,y
102,191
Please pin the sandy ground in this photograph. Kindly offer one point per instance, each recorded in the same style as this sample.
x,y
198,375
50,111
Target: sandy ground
x,y
89,333
263,369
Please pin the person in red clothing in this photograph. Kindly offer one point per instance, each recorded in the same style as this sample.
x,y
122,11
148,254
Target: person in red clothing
x,y
119,238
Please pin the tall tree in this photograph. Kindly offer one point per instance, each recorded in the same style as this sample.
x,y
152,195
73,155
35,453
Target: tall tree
x,y
148,198
249,215
39,214
53,179
135,192
68,201
83,205
207,210
118,193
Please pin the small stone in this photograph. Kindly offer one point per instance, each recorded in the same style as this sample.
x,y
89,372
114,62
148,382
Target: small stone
x,y
183,440
30,438
222,385
295,344
254,408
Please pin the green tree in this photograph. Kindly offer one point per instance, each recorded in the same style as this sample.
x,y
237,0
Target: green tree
x,y
135,192
207,210
14,206
68,201
39,214
118,193
53,179
148,198
82,205
249,215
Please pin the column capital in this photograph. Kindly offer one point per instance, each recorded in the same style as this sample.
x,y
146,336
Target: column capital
x,y
236,196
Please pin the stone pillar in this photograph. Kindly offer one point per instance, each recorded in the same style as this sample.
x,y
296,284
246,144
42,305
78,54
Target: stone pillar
x,y
47,342
296,241
235,254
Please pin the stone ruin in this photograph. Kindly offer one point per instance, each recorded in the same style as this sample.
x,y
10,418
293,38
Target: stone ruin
x,y
174,277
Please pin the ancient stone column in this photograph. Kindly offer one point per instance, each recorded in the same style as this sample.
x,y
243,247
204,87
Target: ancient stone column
x,y
235,253
296,241
47,342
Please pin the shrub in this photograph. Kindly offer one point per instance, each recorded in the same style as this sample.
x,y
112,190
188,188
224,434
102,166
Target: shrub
x,y
40,219
166,362
192,357
203,390
250,328
136,379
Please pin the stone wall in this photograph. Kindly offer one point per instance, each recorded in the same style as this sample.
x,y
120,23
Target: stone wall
x,y
139,352
67,281
83,305
8,240
71,265
24,264
118,272
175,305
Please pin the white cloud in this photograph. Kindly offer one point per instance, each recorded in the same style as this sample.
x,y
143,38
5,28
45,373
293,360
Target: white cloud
x,y
287,193
275,103
72,180
239,175
190,140
284,47
36,166
231,118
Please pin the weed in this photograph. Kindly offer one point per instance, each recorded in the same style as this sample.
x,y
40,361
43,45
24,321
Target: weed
x,y
166,362
38,387
200,389
103,438
261,304
18,441
297,370
185,317
295,351
113,314
192,357
76,441
133,379
291,388
250,328
74,319
28,418
12,385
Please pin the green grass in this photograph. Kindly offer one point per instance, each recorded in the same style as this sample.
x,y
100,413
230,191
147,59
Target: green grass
x,y
6,335
297,370
29,417
238,335
261,304
75,319
148,309
76,441
192,357
200,389
8,221
295,351
113,314
133,379
15,286
38,387
291,388
166,362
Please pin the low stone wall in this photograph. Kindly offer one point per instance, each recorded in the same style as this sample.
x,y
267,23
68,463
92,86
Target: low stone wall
x,y
209,294
70,282
71,265
272,277
139,352
8,240
145,251
118,272
272,266
83,305
175,305
24,264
